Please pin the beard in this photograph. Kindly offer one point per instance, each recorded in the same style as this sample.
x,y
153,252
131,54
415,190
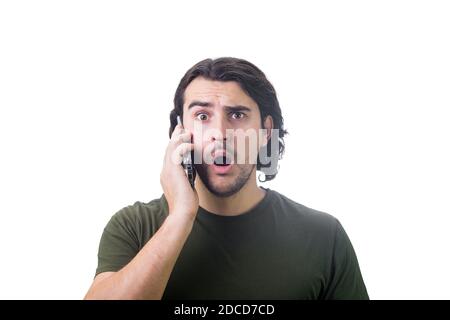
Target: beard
x,y
233,185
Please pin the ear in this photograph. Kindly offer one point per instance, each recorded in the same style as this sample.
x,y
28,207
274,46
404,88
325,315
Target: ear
x,y
268,125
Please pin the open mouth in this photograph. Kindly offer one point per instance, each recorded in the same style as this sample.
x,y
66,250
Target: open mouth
x,y
222,165
222,161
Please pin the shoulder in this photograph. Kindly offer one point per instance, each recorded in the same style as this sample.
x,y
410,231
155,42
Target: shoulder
x,y
302,217
141,219
140,210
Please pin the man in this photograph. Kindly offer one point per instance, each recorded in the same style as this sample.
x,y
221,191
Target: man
x,y
226,238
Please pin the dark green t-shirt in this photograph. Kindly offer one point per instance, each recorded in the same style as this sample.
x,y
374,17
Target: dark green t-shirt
x,y
278,250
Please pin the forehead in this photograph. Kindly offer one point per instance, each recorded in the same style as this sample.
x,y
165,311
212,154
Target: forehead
x,y
217,92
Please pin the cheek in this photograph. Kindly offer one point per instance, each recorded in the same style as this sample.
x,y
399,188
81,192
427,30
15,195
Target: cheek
x,y
247,148
203,151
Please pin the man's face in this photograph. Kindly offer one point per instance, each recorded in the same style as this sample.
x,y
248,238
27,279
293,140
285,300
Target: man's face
x,y
222,117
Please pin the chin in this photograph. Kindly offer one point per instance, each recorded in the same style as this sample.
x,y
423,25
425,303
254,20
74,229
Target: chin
x,y
224,185
221,188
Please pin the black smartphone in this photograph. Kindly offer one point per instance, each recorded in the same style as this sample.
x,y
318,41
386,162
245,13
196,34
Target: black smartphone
x,y
188,163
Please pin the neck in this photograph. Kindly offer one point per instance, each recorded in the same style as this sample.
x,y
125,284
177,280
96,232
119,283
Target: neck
x,y
242,201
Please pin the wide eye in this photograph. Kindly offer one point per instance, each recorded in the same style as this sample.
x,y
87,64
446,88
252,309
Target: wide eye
x,y
202,116
237,115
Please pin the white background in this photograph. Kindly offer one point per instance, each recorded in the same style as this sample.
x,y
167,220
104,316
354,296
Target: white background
x,y
85,92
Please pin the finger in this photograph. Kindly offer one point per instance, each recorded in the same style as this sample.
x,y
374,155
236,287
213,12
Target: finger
x,y
177,131
180,151
184,137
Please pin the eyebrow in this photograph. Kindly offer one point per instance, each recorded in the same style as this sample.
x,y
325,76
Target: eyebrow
x,y
209,105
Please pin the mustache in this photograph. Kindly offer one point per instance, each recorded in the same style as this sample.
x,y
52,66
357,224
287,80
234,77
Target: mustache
x,y
220,152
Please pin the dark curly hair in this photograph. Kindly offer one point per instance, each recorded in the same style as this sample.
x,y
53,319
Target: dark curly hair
x,y
253,82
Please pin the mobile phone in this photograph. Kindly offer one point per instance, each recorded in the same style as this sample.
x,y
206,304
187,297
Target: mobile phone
x,y
188,163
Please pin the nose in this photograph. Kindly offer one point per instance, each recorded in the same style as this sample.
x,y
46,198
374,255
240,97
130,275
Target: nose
x,y
219,133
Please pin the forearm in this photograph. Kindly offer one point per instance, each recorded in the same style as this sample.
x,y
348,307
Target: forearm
x,y
146,276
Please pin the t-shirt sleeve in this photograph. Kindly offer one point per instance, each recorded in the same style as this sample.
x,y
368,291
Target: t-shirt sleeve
x,y
346,281
119,243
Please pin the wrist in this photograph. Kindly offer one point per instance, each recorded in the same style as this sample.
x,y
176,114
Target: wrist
x,y
181,219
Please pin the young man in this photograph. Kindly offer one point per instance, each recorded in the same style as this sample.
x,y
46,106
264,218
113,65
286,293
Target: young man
x,y
226,238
